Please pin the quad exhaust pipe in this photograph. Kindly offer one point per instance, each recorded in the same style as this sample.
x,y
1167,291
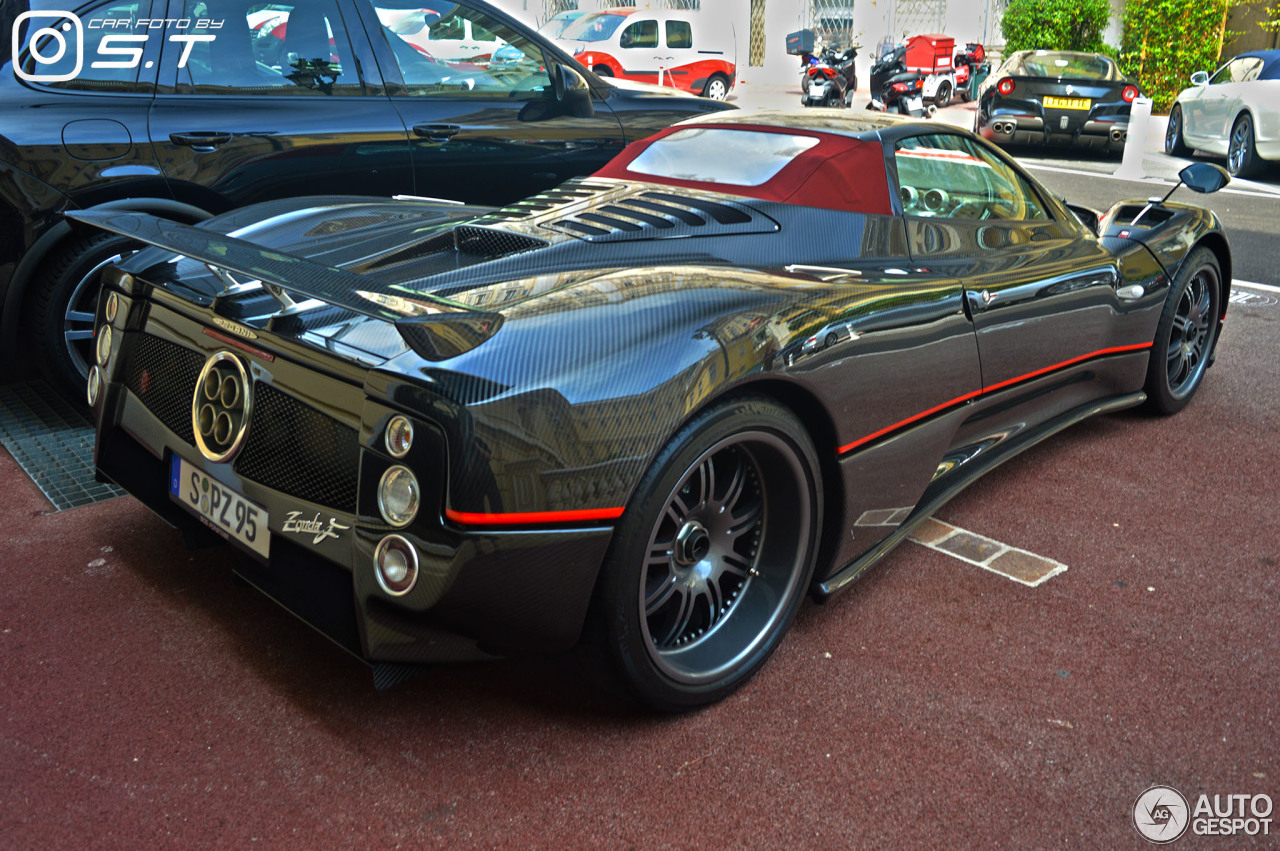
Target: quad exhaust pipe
x,y
1005,128
1119,136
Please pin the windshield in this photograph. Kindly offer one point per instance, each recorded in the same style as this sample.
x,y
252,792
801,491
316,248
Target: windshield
x,y
1045,63
713,155
596,27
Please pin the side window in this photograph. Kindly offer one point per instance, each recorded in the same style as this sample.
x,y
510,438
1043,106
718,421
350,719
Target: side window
x,y
1235,71
269,49
97,52
641,34
1251,71
437,60
947,176
679,35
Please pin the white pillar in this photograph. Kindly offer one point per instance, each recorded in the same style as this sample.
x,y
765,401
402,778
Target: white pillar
x,y
1136,144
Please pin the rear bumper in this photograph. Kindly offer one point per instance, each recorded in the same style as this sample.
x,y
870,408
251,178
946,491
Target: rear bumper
x,y
479,594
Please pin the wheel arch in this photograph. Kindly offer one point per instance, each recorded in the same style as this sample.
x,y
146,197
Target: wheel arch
x,y
1217,243
15,302
821,427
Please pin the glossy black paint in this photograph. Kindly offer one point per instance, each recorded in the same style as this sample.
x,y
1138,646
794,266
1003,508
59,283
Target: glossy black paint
x,y
158,146
919,352
1022,118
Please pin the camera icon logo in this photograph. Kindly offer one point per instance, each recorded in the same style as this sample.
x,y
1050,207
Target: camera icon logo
x,y
48,45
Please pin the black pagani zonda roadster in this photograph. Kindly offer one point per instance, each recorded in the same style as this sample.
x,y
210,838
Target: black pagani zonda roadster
x,y
664,402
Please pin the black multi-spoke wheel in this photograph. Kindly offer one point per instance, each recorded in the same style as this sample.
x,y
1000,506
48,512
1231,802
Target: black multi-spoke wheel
x,y
63,306
713,556
1242,155
1186,334
1174,144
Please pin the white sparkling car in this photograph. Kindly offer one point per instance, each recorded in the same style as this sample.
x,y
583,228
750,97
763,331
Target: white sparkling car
x,y
1235,113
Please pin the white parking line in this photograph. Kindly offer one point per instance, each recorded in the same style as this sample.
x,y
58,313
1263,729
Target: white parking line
x,y
1266,288
1254,193
1014,563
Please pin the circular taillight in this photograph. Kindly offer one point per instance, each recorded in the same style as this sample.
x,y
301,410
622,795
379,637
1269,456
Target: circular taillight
x,y
396,565
1129,93
104,344
398,496
399,437
1006,86
94,387
113,307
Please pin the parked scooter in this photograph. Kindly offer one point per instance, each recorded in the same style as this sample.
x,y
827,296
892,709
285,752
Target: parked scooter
x,y
830,80
897,90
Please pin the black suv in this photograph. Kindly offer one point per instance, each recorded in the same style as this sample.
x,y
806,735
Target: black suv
x,y
187,109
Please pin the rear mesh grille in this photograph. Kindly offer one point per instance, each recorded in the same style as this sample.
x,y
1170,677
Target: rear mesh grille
x,y
493,243
295,449
163,375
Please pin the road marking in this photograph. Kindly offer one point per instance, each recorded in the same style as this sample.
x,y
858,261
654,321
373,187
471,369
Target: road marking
x,y
1153,180
1014,563
1266,288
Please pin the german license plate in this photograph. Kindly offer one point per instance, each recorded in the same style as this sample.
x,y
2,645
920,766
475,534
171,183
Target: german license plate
x,y
225,510
1051,102
816,90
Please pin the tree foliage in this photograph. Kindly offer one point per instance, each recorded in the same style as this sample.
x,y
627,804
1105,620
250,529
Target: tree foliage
x,y
1166,41
1054,24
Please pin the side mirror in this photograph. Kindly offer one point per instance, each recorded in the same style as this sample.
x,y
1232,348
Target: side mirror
x,y
1200,78
572,91
1088,218
1204,177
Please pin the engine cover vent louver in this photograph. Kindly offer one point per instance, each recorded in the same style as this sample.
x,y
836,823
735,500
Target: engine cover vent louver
x,y
660,215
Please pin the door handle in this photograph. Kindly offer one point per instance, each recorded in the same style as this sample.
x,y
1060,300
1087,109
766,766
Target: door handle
x,y
437,132
200,141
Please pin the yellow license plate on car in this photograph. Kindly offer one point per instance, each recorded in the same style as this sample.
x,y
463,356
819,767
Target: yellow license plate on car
x,y
1066,103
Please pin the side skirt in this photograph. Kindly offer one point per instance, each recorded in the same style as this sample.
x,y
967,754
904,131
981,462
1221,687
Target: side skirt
x,y
851,572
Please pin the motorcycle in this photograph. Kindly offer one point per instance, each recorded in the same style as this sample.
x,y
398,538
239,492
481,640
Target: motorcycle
x,y
830,80
903,94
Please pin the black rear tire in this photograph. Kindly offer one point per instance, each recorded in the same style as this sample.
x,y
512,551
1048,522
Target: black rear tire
x,y
1174,144
1242,153
717,87
713,557
1186,334
63,306
943,96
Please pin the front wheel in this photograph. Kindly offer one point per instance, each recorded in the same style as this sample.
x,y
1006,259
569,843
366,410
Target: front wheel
x,y
601,70
717,87
712,559
1242,155
1186,334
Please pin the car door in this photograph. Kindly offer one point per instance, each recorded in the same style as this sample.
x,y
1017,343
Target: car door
x,y
486,135
640,50
77,119
1042,292
1220,101
272,104
678,55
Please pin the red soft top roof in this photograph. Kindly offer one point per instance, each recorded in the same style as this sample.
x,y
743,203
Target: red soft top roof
x,y
838,173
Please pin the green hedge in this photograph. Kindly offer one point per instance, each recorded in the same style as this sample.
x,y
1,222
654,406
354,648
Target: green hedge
x,y
1054,24
1166,41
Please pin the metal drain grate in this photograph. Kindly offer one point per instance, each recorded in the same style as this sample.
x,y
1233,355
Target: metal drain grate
x,y
53,443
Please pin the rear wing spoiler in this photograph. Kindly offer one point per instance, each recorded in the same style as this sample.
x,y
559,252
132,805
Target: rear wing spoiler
x,y
436,328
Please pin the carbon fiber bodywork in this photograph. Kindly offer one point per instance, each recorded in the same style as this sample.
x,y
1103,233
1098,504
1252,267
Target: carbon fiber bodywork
x,y
546,352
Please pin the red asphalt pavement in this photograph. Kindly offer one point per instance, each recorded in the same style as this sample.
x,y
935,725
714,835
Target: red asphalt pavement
x,y
147,701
